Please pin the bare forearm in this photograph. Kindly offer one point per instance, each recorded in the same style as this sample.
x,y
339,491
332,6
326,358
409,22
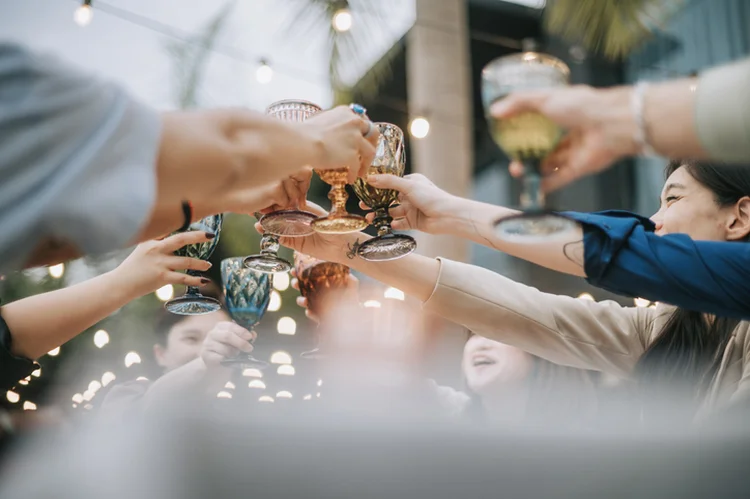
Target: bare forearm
x,y
474,220
45,321
194,378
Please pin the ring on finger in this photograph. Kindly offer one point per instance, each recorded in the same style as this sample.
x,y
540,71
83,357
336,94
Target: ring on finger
x,y
370,129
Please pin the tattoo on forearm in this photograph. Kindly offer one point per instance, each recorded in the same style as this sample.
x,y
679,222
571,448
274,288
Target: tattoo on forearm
x,y
574,252
353,250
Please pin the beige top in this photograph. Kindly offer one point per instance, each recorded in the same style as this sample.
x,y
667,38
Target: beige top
x,y
600,336
722,112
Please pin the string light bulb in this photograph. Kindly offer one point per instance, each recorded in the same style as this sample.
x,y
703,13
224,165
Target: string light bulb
x,y
54,352
586,296
165,293
256,383
283,394
281,357
265,398
419,127
264,73
37,372
342,19
281,281
641,302
286,370
394,294
274,305
78,398
101,338
83,14
132,358
12,396
372,304
286,325
108,378
29,406
56,271
223,395
252,373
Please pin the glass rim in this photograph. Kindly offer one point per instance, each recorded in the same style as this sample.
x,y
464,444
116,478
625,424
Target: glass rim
x,y
539,57
292,101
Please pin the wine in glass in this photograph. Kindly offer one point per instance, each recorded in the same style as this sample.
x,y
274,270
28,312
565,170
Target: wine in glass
x,y
246,297
193,302
289,223
390,158
527,137
321,283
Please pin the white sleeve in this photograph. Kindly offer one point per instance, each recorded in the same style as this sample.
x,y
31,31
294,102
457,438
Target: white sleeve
x,y
77,158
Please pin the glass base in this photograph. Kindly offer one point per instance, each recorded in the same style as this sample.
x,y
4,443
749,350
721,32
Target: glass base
x,y
288,223
535,226
388,247
342,224
244,361
267,264
314,354
192,305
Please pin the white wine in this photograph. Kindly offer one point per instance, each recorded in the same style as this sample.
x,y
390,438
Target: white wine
x,y
527,135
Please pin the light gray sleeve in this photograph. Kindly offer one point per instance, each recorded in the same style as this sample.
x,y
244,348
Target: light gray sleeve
x,y
77,158
722,110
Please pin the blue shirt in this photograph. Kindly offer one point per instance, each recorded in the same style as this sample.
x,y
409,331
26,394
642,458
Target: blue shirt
x,y
623,255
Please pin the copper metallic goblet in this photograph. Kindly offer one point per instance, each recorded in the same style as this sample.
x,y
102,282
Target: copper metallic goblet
x,y
528,137
339,221
288,223
321,283
390,159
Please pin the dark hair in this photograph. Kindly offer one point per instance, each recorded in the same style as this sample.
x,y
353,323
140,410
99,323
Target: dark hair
x,y
687,353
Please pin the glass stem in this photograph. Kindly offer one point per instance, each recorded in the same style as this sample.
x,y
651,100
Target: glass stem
x,y
382,221
532,197
269,244
338,197
192,290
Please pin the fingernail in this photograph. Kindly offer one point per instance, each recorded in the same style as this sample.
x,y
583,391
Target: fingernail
x,y
205,280
209,264
210,235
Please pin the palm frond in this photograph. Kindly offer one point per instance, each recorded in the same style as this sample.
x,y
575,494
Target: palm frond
x,y
312,18
191,56
613,28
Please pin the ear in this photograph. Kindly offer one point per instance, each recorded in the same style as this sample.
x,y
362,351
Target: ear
x,y
159,355
739,227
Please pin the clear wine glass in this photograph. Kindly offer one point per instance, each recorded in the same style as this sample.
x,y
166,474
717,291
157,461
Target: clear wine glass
x,y
288,223
320,282
390,159
528,137
193,302
246,297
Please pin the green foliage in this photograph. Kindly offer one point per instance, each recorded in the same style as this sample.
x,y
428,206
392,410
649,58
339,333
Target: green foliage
x,y
613,28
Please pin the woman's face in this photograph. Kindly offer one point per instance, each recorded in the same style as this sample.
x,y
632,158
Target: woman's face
x,y
687,207
488,365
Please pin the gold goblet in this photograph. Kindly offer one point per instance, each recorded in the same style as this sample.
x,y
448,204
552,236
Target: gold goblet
x,y
322,283
390,159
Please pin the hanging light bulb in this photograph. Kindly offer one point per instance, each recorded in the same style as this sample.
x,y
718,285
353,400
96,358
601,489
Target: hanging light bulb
x,y
284,395
281,281
101,338
223,395
165,293
78,398
586,296
265,398
372,304
275,303
83,14
37,372
54,352
264,73
29,406
12,396
641,302
94,386
256,383
229,385
56,271
286,325
342,19
419,127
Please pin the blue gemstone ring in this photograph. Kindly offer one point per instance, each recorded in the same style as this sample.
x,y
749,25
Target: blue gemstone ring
x,y
358,109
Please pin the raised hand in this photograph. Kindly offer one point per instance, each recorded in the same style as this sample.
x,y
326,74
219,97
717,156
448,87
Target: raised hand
x,y
225,341
153,264
340,136
422,205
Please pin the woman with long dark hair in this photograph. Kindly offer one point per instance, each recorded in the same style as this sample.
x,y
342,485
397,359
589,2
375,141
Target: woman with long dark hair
x,y
694,363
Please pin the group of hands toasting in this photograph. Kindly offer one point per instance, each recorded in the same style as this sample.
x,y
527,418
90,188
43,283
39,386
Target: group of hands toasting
x,y
526,125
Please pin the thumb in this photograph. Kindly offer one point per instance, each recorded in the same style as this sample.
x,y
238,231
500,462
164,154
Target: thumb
x,y
517,103
388,182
